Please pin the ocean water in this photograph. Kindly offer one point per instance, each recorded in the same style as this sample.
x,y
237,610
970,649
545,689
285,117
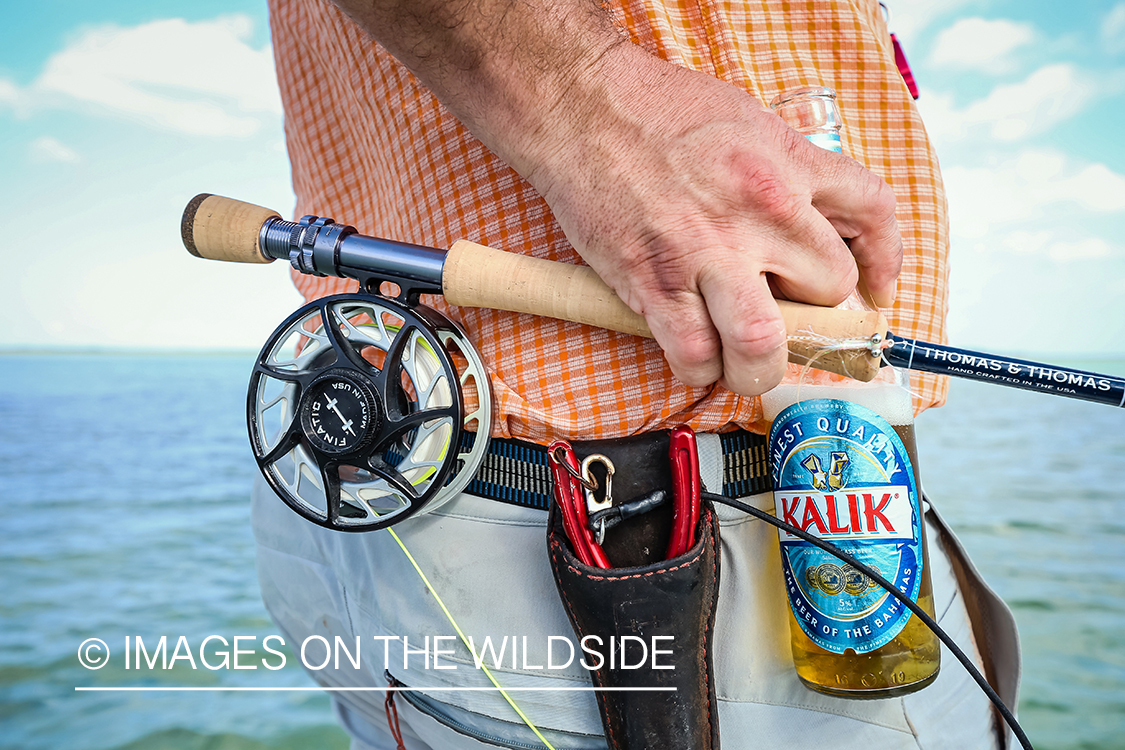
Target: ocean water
x,y
124,512
124,485
1034,486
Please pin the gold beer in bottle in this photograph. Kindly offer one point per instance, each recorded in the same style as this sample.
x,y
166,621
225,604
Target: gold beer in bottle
x,y
845,469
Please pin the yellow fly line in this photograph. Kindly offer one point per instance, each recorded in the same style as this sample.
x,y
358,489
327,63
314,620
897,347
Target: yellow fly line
x,y
465,640
445,610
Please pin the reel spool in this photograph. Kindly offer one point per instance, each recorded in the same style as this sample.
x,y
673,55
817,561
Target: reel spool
x,y
358,408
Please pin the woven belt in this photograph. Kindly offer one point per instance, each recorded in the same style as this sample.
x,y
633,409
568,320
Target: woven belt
x,y
516,472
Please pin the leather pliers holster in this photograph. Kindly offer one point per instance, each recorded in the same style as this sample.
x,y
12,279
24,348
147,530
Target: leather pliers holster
x,y
657,615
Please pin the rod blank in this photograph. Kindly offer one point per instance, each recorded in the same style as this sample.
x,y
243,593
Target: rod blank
x,y
1014,373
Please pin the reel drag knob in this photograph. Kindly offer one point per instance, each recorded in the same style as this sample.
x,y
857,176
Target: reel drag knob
x,y
340,413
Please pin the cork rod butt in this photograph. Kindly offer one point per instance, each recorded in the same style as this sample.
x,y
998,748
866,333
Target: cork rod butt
x,y
219,228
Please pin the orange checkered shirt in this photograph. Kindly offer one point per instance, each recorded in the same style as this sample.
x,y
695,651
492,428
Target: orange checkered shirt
x,y
371,146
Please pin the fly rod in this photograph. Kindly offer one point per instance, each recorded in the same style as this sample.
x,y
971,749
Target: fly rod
x,y
854,343
1015,373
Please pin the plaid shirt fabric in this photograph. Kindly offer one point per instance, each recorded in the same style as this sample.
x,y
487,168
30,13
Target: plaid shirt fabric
x,y
371,146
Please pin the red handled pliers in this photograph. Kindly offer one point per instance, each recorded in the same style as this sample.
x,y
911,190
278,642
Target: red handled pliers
x,y
686,485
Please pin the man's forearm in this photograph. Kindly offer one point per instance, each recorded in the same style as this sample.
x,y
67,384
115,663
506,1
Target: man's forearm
x,y
503,67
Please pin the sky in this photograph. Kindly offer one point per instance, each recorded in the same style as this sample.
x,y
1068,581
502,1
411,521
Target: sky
x,y
114,114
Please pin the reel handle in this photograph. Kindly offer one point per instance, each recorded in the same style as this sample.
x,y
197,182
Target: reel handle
x,y
473,275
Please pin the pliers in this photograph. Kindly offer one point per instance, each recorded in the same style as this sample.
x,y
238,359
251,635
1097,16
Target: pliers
x,y
572,497
686,485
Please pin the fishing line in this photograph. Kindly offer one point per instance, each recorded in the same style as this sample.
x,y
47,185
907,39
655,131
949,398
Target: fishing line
x,y
871,573
829,344
460,634
357,444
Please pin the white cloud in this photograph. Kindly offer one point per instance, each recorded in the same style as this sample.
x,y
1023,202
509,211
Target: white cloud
x,y
1113,29
1089,248
980,44
1058,243
13,98
1049,95
1011,112
908,19
9,92
999,302
1033,186
1097,188
200,78
46,148
1026,242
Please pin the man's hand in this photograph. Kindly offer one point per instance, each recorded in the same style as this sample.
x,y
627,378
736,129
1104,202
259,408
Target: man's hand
x,y
694,202
698,206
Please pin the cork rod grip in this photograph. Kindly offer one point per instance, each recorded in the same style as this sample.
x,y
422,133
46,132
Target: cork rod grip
x,y
479,276
221,228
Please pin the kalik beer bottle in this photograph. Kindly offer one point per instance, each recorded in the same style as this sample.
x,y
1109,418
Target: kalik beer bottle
x,y
845,469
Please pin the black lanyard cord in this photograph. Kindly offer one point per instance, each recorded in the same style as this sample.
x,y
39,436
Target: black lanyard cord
x,y
906,601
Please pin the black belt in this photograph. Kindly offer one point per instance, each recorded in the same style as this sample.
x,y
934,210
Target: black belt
x,y
516,472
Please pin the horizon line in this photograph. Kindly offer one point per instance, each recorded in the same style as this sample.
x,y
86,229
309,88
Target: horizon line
x,y
388,689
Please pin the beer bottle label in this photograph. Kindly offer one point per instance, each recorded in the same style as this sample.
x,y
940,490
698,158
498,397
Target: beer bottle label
x,y
841,473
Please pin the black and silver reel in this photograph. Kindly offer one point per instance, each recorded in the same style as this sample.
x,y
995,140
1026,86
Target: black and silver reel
x,y
362,411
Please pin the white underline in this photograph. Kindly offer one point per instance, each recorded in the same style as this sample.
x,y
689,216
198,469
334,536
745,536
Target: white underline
x,y
367,689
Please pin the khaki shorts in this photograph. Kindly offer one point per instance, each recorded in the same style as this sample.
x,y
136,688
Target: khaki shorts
x,y
488,562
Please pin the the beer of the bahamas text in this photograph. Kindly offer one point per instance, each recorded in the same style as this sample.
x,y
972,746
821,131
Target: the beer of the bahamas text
x,y
843,473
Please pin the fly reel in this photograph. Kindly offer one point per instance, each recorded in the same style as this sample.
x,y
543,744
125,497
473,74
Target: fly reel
x,y
358,408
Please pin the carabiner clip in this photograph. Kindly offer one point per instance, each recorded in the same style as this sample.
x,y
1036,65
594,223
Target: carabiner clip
x,y
593,505
570,494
